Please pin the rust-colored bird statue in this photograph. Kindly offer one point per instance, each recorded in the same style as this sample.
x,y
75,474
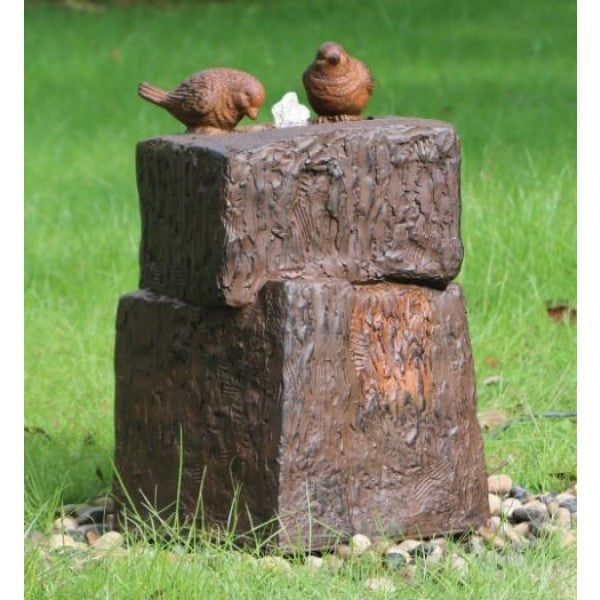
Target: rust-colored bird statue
x,y
210,101
338,86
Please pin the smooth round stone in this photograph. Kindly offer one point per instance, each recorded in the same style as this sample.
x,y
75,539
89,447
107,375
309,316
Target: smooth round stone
x,y
108,541
425,550
562,518
105,502
547,498
459,564
275,563
532,511
508,533
440,541
568,538
495,504
491,535
499,484
569,503
474,546
380,584
523,529
409,545
68,510
94,514
519,492
65,523
359,544
396,557
509,504
314,563
435,556
75,534
59,540
343,551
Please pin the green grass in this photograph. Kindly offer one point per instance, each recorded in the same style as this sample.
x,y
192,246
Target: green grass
x,y
502,72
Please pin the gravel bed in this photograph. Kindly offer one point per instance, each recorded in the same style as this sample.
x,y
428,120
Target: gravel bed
x,y
519,520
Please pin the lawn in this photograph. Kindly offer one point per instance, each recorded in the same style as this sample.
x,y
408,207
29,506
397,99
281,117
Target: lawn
x,y
504,73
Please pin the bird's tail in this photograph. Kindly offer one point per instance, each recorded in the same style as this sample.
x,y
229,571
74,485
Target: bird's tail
x,y
151,93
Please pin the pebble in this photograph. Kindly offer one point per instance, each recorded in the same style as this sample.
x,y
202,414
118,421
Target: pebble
x,y
314,563
495,504
569,503
492,379
523,529
459,564
509,505
105,502
409,545
427,550
395,557
474,546
499,484
108,541
93,514
68,510
519,492
508,533
562,518
275,563
359,544
343,551
546,498
532,511
380,584
65,523
490,534
58,540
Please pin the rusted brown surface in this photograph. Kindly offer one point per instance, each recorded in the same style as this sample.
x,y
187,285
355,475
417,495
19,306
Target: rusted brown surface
x,y
357,399
359,201
212,101
337,85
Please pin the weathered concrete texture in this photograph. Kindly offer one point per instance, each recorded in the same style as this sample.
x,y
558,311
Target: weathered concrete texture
x,y
359,201
357,398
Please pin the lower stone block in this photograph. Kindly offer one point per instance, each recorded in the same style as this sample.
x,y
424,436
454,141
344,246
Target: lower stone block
x,y
332,408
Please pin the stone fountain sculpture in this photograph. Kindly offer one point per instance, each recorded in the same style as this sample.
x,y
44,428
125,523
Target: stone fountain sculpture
x,y
297,349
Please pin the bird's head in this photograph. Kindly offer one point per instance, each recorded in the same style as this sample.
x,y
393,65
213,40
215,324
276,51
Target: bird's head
x,y
330,55
250,98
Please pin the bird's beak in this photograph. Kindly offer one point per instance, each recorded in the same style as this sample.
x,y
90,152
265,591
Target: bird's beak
x,y
252,112
334,59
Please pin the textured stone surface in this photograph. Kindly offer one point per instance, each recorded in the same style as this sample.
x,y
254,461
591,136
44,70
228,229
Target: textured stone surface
x,y
358,201
359,398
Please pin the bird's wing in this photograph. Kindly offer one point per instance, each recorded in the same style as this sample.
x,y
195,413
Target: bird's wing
x,y
195,96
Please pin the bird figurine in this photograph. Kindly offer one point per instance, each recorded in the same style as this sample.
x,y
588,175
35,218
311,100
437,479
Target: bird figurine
x,y
211,101
338,86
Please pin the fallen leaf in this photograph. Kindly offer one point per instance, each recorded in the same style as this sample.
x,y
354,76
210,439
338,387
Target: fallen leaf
x,y
488,421
491,361
492,379
561,313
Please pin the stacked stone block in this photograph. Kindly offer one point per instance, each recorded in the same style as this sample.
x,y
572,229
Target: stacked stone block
x,y
296,348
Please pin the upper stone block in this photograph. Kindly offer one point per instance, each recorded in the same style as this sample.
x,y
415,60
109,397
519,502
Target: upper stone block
x,y
360,201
